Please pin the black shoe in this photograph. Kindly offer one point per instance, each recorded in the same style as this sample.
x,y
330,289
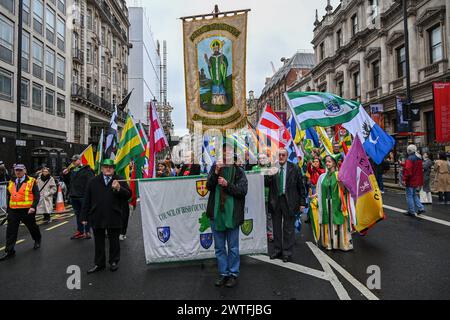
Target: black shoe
x,y
7,256
114,266
221,281
37,245
286,259
420,211
96,269
231,282
275,256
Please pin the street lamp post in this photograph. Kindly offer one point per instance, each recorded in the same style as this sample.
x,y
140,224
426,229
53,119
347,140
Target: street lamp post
x,y
19,83
408,72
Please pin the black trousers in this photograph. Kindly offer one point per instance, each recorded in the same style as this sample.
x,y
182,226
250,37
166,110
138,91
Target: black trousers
x,y
114,246
15,217
125,218
283,228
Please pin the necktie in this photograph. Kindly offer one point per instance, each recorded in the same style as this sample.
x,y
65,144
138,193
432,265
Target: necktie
x,y
107,180
281,180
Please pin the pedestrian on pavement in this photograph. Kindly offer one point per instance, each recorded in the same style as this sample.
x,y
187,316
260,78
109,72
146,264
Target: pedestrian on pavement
x,y
263,167
333,217
47,189
77,179
22,198
425,193
228,187
4,176
413,179
103,205
286,198
442,182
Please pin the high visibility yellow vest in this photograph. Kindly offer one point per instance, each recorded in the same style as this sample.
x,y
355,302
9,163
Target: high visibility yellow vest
x,y
22,199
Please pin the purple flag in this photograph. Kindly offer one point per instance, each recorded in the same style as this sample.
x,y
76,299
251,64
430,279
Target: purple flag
x,y
356,170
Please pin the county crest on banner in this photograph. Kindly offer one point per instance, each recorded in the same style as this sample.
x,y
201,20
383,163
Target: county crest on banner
x,y
215,64
201,188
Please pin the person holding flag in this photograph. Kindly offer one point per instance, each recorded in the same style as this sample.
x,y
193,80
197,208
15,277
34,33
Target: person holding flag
x,y
334,221
76,177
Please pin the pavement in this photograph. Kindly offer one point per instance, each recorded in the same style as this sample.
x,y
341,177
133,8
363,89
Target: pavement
x,y
411,255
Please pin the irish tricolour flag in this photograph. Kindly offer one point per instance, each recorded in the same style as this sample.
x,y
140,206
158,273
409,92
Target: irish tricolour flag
x,y
321,109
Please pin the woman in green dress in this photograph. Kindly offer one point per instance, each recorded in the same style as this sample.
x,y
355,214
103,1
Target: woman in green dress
x,y
334,219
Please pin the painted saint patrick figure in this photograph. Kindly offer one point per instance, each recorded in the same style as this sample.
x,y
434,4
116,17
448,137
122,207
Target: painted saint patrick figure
x,y
218,69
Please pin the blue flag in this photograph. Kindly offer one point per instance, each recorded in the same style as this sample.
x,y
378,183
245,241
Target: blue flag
x,y
311,134
376,142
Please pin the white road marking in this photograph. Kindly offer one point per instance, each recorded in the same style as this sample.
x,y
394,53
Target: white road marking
x,y
56,226
358,285
18,241
293,266
424,217
337,285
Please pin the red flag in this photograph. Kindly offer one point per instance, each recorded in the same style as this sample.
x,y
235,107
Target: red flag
x,y
157,139
133,200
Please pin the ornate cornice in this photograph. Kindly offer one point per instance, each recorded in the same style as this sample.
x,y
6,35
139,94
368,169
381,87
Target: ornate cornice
x,y
353,66
373,54
431,15
396,38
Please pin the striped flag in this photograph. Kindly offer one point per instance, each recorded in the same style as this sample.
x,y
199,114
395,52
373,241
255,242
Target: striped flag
x,y
130,146
87,157
99,154
321,109
271,125
157,139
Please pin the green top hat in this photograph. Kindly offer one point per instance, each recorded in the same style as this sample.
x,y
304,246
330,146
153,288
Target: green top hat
x,y
109,163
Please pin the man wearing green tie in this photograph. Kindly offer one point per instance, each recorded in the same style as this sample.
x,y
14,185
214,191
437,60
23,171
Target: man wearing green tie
x,y
286,198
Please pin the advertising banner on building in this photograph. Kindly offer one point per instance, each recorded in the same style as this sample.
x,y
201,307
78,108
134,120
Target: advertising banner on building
x,y
402,125
376,112
442,111
215,66
175,224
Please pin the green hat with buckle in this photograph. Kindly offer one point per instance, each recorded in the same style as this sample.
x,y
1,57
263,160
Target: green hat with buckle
x,y
108,163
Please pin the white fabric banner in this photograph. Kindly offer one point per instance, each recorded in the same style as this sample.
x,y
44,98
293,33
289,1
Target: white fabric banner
x,y
175,225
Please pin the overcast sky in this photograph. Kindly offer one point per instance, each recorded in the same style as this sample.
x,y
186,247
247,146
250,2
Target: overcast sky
x,y
276,29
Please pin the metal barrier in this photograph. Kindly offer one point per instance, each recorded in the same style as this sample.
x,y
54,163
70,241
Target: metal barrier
x,y
3,204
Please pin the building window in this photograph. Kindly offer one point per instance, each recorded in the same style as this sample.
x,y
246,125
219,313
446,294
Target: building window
x,y
25,91
401,62
50,101
26,12
61,31
50,24
354,24
26,52
50,66
357,85
61,106
434,34
114,48
103,36
89,19
115,76
339,38
89,53
103,67
322,51
62,6
61,72
8,4
341,88
6,40
37,97
6,85
38,58
376,74
38,16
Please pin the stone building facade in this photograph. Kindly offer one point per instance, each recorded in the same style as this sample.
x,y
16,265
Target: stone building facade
x,y
360,54
100,49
